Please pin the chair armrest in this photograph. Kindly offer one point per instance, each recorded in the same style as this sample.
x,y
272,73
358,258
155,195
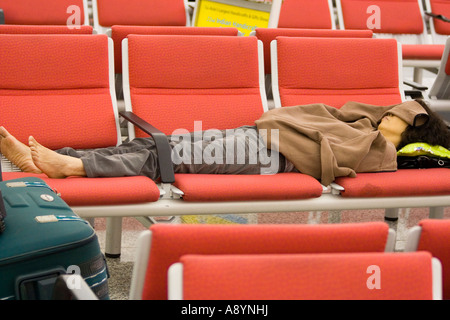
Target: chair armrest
x,y
417,91
162,145
415,85
72,287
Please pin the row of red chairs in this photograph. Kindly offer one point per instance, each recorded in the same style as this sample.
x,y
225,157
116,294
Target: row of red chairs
x,y
106,13
317,14
118,33
395,17
291,262
437,95
405,20
75,90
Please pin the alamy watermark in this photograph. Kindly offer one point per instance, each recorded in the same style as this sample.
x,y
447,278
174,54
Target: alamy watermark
x,y
374,280
374,20
74,282
74,20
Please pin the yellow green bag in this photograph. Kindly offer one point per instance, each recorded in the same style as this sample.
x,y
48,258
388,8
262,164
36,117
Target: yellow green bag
x,y
423,149
422,155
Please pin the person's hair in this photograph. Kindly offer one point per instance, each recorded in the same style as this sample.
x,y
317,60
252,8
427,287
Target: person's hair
x,y
434,132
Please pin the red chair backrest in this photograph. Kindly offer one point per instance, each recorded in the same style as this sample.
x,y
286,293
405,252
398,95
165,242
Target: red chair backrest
x,y
442,8
141,12
57,88
396,16
211,79
343,276
435,238
308,14
40,12
119,32
170,242
267,35
337,70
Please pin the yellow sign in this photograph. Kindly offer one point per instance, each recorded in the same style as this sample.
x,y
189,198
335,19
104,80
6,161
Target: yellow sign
x,y
217,14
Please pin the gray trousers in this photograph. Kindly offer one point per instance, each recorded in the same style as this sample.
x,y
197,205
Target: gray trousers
x,y
234,151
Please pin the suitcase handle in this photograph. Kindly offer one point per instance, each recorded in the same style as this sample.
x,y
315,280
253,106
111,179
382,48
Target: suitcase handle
x,y
37,286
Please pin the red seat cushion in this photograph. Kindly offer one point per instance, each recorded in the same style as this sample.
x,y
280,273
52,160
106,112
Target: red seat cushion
x,y
98,191
404,182
423,51
215,187
48,105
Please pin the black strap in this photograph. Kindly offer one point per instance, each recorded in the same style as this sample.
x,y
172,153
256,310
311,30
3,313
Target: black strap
x,y
162,145
2,17
438,16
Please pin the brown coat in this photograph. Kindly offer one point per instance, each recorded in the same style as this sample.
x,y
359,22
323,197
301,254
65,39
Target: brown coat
x,y
326,142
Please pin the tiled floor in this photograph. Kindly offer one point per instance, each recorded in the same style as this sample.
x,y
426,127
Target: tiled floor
x,y
121,268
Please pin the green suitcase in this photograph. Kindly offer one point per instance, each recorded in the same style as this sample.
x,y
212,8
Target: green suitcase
x,y
43,239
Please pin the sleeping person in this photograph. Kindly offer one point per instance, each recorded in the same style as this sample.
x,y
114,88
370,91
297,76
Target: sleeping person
x,y
315,139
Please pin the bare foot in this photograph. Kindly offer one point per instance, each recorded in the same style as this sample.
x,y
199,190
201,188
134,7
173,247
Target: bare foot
x,y
53,164
17,152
